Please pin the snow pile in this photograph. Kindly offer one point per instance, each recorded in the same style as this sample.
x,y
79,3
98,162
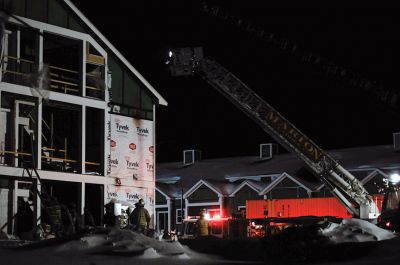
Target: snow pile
x,y
355,230
118,247
93,240
150,253
124,242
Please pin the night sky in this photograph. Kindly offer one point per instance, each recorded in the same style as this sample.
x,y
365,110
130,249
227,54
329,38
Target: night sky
x,y
330,110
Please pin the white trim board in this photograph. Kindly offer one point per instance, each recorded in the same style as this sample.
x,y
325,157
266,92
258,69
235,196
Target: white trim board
x,y
53,175
60,97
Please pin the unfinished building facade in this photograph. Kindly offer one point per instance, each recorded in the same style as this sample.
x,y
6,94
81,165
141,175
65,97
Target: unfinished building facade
x,y
76,118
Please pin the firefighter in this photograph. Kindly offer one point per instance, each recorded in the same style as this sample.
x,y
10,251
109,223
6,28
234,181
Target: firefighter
x,y
109,217
24,218
88,218
140,217
202,224
54,213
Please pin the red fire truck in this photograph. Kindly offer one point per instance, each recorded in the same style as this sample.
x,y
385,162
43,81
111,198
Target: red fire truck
x,y
345,187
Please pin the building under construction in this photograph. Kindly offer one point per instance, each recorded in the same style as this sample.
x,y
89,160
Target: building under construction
x,y
77,120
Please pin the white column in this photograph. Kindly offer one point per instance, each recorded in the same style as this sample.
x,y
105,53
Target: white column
x,y
169,213
39,137
83,69
107,80
186,209
40,110
83,139
83,196
18,44
16,126
41,47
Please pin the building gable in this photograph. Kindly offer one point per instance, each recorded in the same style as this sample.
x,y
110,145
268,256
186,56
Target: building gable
x,y
133,73
287,183
244,194
286,187
54,12
203,194
161,198
130,90
245,183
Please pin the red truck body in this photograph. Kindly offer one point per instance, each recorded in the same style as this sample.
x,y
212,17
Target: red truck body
x,y
290,208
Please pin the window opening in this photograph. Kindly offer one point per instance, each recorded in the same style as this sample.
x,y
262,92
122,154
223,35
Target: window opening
x,y
180,213
63,57
18,119
61,141
95,77
20,55
94,141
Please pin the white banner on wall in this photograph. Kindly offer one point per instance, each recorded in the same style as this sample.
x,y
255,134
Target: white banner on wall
x,y
130,195
132,148
131,161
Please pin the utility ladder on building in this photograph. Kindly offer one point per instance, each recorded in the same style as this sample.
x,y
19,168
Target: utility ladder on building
x,y
33,174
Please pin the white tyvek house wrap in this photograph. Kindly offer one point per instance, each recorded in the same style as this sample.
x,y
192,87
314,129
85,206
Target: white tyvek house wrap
x,y
132,161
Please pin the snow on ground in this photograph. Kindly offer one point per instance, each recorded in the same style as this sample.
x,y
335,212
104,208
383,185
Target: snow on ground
x,y
386,252
121,247
118,247
355,230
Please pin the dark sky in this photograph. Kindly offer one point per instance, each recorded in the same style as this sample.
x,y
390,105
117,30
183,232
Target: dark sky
x,y
331,111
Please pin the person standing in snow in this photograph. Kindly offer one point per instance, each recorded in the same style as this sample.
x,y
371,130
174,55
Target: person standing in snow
x,y
88,217
76,220
202,224
24,217
54,214
140,217
109,217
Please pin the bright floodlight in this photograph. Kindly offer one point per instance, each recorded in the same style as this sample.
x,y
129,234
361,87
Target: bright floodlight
x,y
170,54
207,216
394,178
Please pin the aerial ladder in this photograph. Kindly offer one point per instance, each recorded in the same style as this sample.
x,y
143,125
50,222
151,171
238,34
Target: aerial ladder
x,y
342,184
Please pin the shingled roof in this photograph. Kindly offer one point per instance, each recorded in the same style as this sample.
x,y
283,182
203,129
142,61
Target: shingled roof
x,y
226,174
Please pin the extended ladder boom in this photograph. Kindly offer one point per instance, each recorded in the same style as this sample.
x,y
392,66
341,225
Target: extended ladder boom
x,y
342,183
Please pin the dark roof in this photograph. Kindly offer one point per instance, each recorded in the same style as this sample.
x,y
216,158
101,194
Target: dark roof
x,y
223,187
367,157
221,172
172,191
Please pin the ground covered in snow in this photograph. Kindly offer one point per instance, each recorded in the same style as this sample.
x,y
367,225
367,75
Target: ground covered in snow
x,y
351,242
115,247
321,242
